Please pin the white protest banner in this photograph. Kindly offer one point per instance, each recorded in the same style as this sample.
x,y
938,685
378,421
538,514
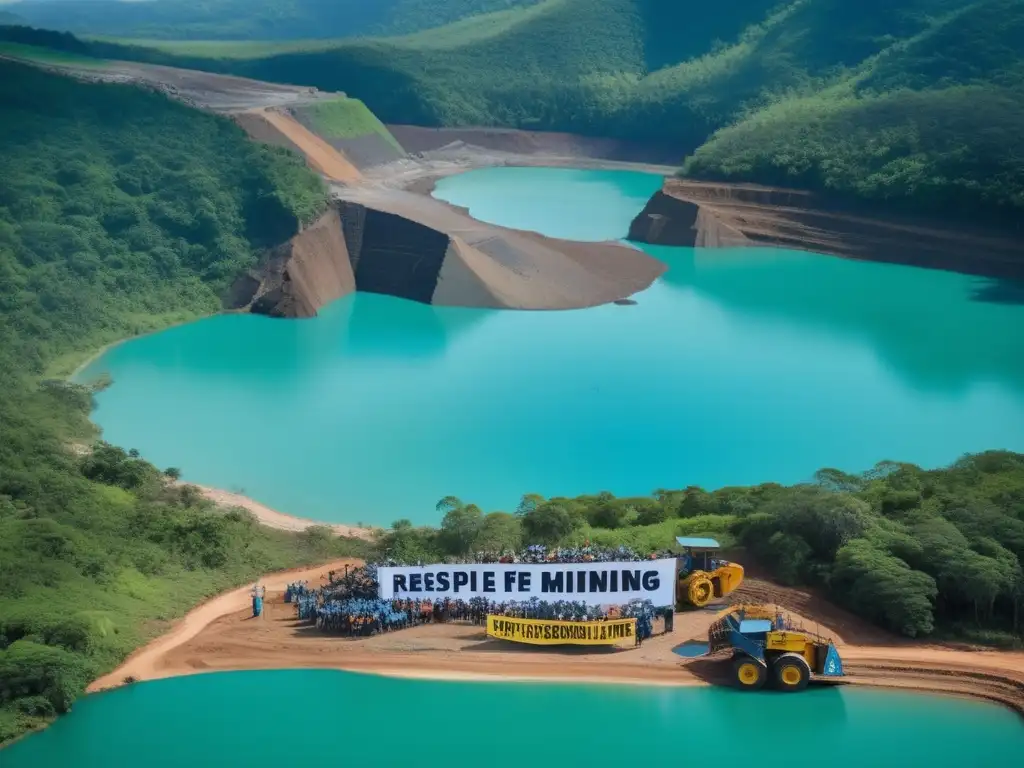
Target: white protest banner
x,y
593,583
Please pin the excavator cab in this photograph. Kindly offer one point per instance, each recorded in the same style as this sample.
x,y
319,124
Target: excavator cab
x,y
702,576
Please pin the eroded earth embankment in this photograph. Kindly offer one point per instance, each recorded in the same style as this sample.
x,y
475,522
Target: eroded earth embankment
x,y
706,214
415,247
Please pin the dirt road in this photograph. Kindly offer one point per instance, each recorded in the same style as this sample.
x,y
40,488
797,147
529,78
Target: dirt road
x,y
149,662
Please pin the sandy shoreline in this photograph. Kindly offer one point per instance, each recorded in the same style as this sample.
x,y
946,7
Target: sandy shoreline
x,y
221,636
279,520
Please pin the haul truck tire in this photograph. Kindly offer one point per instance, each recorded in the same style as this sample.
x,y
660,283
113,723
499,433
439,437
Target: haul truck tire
x,y
748,674
790,672
700,591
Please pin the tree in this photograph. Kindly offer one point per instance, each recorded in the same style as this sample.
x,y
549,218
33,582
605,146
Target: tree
x,y
608,514
837,480
406,544
172,473
695,502
825,520
500,532
877,585
547,524
460,528
448,503
651,514
528,503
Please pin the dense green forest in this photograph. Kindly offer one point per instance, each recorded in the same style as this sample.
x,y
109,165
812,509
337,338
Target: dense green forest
x,y
919,552
249,19
914,103
120,211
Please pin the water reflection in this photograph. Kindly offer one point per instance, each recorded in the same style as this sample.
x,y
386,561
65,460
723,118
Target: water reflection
x,y
739,366
926,324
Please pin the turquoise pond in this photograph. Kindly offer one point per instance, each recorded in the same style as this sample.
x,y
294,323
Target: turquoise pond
x,y
738,366
300,718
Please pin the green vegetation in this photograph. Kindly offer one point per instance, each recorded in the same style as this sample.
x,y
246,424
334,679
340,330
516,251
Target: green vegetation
x,y
933,122
120,211
107,232
346,118
912,103
46,55
250,19
917,552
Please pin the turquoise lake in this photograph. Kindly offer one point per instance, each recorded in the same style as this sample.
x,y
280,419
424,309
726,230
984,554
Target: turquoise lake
x,y
298,718
738,366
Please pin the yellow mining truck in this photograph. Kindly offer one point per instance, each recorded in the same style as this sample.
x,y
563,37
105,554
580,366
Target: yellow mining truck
x,y
702,576
768,647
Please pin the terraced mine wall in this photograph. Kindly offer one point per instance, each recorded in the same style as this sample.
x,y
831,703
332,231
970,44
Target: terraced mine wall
x,y
414,247
351,247
417,139
709,215
310,270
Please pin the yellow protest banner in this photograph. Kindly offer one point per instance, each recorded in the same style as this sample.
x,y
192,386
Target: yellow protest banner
x,y
543,632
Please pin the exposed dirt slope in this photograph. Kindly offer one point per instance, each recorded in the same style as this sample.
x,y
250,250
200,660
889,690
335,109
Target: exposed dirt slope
x,y
310,270
320,155
712,215
492,266
365,151
842,626
217,93
415,247
416,139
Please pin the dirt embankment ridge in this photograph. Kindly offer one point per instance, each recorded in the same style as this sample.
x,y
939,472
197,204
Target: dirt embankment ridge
x,y
707,214
416,139
415,247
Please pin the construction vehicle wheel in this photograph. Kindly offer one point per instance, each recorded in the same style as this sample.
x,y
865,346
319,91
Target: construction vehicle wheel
x,y
791,672
700,591
748,674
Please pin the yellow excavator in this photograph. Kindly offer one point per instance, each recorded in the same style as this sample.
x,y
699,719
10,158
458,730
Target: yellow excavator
x,y
702,577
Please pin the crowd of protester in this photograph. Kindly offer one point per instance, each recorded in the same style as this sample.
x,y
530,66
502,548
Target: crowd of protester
x,y
349,604
587,553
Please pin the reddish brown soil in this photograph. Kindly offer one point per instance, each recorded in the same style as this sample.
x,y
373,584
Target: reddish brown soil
x,y
222,635
418,139
320,155
712,215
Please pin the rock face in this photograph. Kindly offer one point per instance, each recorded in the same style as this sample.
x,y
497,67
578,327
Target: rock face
x,y
310,270
668,220
709,215
391,254
414,247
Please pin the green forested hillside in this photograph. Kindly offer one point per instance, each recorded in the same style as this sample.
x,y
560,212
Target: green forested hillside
x,y
913,102
250,19
119,205
120,211
935,122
